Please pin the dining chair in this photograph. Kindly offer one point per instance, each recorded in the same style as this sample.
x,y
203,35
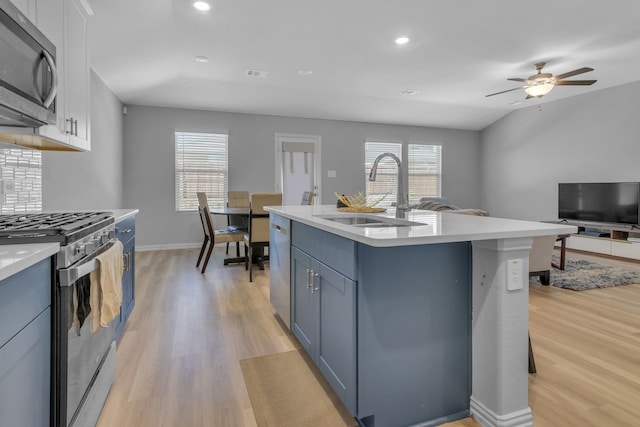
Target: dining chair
x,y
237,199
211,235
257,237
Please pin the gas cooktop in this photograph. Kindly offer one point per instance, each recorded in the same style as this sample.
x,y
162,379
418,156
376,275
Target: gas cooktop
x,y
63,227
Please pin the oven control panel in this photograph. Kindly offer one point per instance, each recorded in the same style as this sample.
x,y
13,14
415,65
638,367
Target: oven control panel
x,y
86,246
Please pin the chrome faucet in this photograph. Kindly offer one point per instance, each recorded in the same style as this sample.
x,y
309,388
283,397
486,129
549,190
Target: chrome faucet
x,y
402,205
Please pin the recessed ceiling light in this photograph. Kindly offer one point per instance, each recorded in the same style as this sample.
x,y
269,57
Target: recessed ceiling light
x,y
202,59
402,40
411,92
202,5
305,72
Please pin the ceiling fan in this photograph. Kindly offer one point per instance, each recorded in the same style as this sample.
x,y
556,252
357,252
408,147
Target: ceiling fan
x,y
541,83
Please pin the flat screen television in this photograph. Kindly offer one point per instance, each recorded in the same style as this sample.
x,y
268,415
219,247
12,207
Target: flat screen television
x,y
610,202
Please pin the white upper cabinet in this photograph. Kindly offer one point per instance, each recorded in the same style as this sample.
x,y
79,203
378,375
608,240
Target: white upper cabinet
x,y
27,7
50,20
64,22
76,75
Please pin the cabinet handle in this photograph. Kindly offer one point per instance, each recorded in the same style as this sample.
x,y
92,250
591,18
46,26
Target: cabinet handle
x,y
70,130
313,282
127,261
126,231
309,278
73,126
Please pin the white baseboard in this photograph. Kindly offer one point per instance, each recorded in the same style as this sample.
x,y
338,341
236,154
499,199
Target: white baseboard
x,y
488,418
168,247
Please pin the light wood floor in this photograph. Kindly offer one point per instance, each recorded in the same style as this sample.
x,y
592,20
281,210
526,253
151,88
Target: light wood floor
x,y
178,359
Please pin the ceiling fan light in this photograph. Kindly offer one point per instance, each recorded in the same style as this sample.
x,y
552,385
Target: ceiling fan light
x,y
539,89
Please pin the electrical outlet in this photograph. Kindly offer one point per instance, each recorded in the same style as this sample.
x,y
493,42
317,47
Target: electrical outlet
x,y
514,274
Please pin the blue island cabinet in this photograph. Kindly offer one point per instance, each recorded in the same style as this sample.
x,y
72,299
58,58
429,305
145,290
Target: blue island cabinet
x,y
324,314
389,327
25,346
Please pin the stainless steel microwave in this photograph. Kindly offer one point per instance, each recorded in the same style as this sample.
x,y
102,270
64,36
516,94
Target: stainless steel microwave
x,y
28,76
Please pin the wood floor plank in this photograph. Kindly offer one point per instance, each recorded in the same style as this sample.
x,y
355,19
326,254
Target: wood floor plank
x,y
178,358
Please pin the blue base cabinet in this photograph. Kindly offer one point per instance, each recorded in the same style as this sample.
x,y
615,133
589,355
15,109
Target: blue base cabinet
x,y
389,328
25,347
324,315
126,232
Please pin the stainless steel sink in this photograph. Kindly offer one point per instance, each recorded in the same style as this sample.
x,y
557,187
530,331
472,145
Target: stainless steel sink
x,y
354,220
368,220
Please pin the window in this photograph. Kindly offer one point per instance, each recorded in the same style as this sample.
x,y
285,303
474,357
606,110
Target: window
x,y
201,165
425,164
386,183
422,167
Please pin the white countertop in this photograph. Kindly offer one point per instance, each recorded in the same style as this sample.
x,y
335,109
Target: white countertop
x,y
15,258
121,214
435,227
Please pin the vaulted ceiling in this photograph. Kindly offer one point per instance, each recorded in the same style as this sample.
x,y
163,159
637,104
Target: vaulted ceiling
x,y
338,60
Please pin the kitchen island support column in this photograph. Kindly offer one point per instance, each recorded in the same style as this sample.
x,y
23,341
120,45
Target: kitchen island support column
x,y
499,333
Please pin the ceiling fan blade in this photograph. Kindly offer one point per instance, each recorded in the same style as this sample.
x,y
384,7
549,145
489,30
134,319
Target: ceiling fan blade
x,y
573,73
515,79
574,82
504,91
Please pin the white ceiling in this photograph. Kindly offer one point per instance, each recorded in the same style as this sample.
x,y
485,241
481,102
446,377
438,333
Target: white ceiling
x,y
460,51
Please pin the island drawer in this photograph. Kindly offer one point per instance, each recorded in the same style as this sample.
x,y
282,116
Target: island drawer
x,y
335,251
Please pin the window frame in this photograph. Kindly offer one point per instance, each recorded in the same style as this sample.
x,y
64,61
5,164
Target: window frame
x,y
210,157
404,147
437,174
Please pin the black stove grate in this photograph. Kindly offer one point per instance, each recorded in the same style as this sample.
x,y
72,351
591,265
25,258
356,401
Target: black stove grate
x,y
39,227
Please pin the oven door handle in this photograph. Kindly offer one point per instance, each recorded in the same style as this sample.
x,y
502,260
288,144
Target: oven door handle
x,y
69,276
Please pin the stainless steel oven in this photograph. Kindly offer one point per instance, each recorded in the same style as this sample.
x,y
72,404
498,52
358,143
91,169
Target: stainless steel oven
x,y
85,361
28,76
82,363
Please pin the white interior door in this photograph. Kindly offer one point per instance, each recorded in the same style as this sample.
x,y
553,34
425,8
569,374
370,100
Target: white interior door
x,y
298,166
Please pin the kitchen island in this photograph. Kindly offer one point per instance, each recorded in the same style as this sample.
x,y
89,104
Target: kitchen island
x,y
417,321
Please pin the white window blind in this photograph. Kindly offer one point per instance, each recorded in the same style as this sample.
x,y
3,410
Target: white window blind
x,y
425,171
386,182
422,166
201,165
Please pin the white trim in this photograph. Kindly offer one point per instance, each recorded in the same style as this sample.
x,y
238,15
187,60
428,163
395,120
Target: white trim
x,y
143,248
488,418
310,139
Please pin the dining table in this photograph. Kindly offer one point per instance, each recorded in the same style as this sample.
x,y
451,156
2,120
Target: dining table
x,y
259,256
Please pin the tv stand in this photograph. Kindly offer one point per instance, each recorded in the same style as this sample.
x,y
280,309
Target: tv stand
x,y
616,240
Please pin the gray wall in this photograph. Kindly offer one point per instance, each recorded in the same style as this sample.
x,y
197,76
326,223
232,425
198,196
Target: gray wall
x,y
149,162
92,180
589,138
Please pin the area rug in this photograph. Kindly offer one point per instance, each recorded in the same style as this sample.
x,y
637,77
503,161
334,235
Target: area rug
x,y
287,389
580,275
